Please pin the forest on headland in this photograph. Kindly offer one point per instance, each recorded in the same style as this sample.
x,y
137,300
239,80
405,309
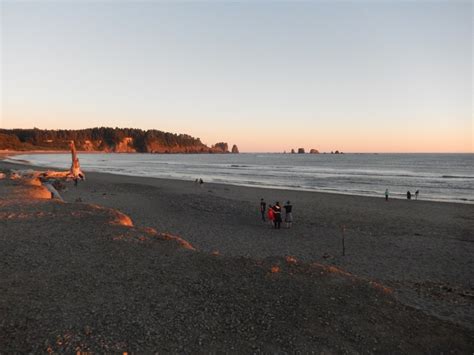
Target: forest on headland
x,y
107,139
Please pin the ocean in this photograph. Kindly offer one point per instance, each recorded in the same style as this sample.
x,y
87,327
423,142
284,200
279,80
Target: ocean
x,y
438,177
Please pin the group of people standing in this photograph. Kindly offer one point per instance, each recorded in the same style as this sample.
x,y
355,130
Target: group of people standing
x,y
409,194
273,213
416,195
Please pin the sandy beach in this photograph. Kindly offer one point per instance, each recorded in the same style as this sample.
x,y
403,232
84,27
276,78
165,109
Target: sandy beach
x,y
404,285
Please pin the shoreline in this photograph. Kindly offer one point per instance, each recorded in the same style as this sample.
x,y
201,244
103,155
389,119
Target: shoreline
x,y
263,187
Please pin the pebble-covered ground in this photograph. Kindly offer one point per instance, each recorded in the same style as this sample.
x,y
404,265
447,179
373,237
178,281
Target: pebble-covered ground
x,y
79,277
423,250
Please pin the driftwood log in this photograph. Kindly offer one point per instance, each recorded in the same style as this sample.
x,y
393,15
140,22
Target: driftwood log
x,y
50,179
75,173
75,170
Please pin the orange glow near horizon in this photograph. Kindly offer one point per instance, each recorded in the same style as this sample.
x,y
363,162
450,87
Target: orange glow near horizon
x,y
448,140
384,138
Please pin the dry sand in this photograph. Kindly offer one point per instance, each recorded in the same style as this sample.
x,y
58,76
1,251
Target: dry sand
x,y
72,280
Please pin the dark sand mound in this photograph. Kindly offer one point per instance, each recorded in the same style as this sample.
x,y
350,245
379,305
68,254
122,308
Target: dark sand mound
x,y
80,277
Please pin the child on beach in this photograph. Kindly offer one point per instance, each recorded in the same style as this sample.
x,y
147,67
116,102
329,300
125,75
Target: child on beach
x,y
288,214
270,215
263,207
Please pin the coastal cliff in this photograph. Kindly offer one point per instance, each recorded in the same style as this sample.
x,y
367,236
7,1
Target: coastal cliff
x,y
105,139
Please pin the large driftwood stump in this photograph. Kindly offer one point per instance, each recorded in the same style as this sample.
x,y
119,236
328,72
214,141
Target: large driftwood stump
x,y
75,173
49,178
75,170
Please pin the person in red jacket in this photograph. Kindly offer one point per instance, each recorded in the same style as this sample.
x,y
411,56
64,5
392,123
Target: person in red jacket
x,y
270,215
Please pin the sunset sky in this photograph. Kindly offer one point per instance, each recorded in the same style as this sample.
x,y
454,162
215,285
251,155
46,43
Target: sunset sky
x,y
358,76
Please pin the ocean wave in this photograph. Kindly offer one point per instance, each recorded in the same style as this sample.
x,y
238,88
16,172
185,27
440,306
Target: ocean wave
x,y
17,161
457,177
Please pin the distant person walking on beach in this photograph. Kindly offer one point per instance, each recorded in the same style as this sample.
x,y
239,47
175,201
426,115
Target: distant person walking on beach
x,y
271,215
277,214
408,195
288,214
263,208
416,194
386,194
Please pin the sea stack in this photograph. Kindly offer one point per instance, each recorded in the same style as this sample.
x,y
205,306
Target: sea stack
x,y
235,149
220,147
314,151
300,150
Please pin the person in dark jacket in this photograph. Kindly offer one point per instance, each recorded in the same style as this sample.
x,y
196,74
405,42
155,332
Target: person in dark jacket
x,y
277,215
263,208
288,214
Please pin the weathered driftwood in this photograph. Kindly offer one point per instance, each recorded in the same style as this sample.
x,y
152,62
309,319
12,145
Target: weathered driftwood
x,y
24,174
75,170
54,193
51,178
75,173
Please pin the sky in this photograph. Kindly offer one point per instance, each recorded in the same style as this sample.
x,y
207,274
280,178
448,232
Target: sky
x,y
269,76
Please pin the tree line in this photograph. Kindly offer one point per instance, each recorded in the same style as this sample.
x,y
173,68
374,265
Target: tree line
x,y
99,138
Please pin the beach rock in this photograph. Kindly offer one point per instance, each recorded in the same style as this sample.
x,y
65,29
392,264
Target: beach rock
x,y
300,150
235,149
314,151
220,147
292,151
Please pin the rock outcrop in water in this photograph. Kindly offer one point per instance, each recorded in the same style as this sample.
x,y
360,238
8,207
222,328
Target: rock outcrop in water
x,y
314,151
235,149
220,147
300,150
105,139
